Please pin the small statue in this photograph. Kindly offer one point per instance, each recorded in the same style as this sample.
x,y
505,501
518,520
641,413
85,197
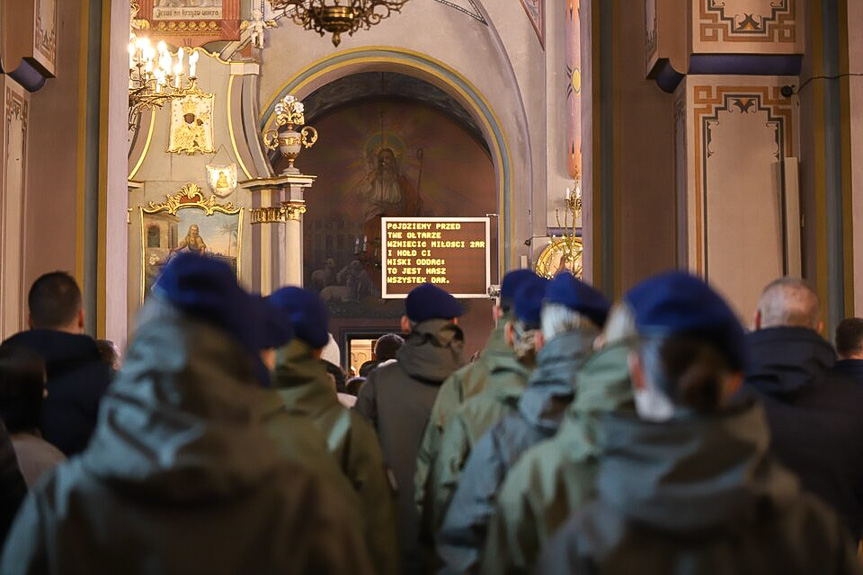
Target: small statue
x,y
256,27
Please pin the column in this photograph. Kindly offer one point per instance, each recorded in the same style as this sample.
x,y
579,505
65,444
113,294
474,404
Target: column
x,y
292,271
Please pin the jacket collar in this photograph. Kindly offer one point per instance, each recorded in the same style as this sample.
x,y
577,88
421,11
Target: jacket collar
x,y
302,380
432,351
786,360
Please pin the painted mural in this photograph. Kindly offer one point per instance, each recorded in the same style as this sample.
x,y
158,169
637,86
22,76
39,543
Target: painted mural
x,y
376,159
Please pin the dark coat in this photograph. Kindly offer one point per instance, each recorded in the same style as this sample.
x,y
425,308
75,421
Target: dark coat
x,y
183,476
541,407
850,368
698,495
815,416
77,379
12,486
398,399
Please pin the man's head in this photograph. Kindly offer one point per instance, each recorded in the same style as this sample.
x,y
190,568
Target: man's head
x,y
193,230
55,302
572,305
510,284
307,313
427,302
849,338
387,346
788,302
387,161
523,333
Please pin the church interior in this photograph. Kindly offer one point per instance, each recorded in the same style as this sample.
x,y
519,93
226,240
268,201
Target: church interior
x,y
718,139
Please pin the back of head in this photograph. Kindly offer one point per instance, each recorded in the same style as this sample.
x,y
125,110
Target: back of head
x,y
849,338
22,385
572,305
789,302
387,346
54,301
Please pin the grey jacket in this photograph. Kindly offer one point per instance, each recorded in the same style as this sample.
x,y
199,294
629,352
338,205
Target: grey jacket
x,y
541,407
182,476
398,399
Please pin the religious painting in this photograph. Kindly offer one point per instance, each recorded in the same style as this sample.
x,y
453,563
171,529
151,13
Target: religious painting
x,y
196,21
383,159
188,222
192,125
222,179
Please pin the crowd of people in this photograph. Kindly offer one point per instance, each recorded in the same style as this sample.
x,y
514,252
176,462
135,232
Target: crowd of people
x,y
654,434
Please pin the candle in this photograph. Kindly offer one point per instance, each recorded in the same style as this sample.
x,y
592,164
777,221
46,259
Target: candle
x,y
193,62
578,192
178,71
567,194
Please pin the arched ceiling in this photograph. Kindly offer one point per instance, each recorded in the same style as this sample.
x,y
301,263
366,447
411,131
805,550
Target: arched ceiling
x,y
370,86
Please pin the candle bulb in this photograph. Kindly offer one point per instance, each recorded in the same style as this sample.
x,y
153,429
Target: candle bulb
x,y
568,193
578,192
193,62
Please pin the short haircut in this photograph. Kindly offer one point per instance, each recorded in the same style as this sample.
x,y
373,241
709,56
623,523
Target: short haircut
x,y
368,366
789,302
337,373
22,384
387,346
849,337
54,300
557,319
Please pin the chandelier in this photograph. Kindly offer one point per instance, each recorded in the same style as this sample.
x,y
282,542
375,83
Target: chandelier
x,y
337,16
568,246
155,74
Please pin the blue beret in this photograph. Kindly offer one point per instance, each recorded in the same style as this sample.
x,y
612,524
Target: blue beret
x,y
510,284
207,289
680,303
566,290
307,312
431,302
527,303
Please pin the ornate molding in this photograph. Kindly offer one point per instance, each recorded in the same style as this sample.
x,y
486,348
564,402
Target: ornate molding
x,y
748,21
294,210
191,196
271,215
17,107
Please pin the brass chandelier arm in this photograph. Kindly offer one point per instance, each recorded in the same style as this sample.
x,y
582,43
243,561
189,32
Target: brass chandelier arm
x,y
338,16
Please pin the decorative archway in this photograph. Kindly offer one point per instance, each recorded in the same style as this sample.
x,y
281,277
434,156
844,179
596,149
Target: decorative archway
x,y
411,63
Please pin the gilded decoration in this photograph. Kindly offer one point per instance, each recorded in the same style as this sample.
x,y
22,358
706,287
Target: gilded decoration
x,y
188,222
561,254
16,108
288,212
192,124
294,210
748,21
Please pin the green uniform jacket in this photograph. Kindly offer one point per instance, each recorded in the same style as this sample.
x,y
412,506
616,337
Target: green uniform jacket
x,y
465,383
182,476
697,495
557,476
507,380
307,390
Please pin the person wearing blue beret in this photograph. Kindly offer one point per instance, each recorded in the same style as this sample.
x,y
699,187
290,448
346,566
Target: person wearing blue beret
x,y
689,482
571,315
463,384
397,398
308,390
182,473
506,382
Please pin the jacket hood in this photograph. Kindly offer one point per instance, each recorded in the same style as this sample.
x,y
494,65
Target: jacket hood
x,y
496,343
507,377
184,419
552,386
61,351
786,360
302,380
432,351
693,473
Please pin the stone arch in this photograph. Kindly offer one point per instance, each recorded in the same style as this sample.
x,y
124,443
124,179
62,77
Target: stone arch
x,y
412,63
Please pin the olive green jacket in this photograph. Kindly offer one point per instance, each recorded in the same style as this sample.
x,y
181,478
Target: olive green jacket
x,y
465,383
182,476
507,380
557,476
307,391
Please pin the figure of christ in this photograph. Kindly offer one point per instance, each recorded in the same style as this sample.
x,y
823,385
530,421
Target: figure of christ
x,y
192,242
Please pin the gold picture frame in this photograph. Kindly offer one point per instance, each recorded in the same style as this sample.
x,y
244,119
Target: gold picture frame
x,y
192,124
561,254
210,227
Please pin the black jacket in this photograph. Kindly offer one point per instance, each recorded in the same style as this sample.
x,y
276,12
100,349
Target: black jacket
x,y
77,379
697,495
850,368
815,416
397,399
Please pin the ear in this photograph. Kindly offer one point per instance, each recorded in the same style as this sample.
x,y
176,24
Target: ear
x,y
820,327
81,319
406,324
732,385
268,357
636,371
455,321
756,320
510,334
29,321
539,340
